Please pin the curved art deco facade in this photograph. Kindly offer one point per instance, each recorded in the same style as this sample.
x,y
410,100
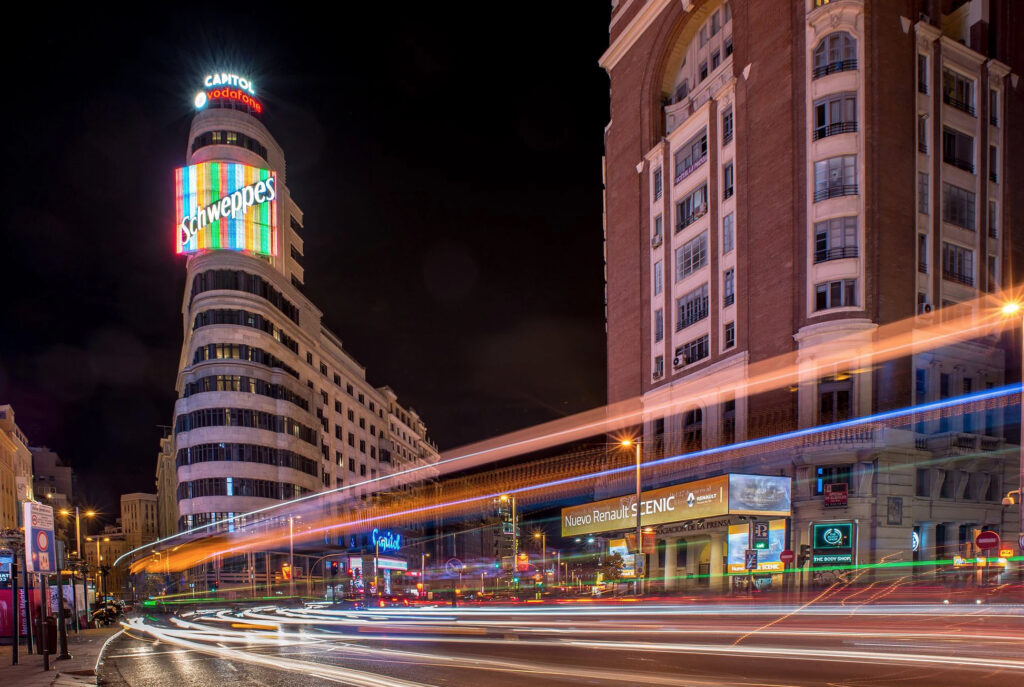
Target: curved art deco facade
x,y
270,406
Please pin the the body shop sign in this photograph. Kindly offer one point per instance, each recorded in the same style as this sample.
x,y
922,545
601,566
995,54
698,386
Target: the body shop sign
x,y
225,206
832,544
715,496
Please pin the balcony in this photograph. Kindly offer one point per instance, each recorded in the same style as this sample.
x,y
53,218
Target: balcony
x,y
689,169
922,147
701,210
922,87
728,300
993,177
727,137
833,129
834,68
922,267
959,104
835,191
965,165
993,120
835,253
958,277
729,191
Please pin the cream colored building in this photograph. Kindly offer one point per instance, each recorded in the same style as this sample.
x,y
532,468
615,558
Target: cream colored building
x,y
166,484
15,469
139,518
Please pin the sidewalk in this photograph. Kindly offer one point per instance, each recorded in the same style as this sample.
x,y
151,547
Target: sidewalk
x,y
76,672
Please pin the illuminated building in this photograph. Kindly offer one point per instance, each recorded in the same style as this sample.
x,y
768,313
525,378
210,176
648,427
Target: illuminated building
x,y
15,469
52,480
271,406
139,520
782,174
166,488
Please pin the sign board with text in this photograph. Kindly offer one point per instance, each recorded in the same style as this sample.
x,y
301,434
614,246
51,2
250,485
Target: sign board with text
x,y
706,498
768,559
836,495
40,544
832,543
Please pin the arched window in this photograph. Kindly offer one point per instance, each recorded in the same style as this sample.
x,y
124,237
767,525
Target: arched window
x,y
837,52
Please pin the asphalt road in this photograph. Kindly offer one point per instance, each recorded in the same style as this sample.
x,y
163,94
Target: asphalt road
x,y
594,645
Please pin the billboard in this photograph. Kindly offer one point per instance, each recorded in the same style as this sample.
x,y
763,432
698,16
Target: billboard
x,y
767,559
705,498
225,206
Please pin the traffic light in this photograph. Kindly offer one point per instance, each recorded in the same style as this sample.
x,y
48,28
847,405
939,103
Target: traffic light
x,y
335,568
213,586
805,555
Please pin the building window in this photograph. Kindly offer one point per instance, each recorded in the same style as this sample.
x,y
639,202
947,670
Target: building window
x,y
993,164
957,263
958,91
691,256
922,253
831,474
692,307
727,124
715,23
659,366
993,279
728,287
659,228
659,325
351,439
730,335
659,277
834,177
692,351
993,220
691,156
993,107
703,35
362,445
922,133
728,46
958,206
958,149
362,471
836,114
728,233
728,179
693,426
841,293
692,208
922,192
657,184
716,59
922,73
703,71
835,394
837,52
835,239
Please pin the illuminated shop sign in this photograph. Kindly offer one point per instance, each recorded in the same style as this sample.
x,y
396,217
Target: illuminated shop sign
x,y
224,86
225,206
706,498
386,541
832,544
768,560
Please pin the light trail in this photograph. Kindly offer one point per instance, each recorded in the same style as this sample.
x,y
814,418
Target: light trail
x,y
958,323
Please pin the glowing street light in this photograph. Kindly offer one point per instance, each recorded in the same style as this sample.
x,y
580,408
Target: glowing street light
x,y
1012,309
639,531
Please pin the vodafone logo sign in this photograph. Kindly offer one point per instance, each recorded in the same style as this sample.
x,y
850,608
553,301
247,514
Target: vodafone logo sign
x,y
987,540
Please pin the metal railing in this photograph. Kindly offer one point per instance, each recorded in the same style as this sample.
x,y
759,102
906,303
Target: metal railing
x,y
833,129
834,67
959,104
835,191
957,277
922,87
993,177
729,191
837,253
922,146
727,137
965,165
728,300
691,218
922,267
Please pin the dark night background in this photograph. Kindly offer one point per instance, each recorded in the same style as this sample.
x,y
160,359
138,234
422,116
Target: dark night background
x,y
448,163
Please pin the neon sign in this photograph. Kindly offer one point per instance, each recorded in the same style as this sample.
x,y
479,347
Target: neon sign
x,y
225,206
386,541
224,86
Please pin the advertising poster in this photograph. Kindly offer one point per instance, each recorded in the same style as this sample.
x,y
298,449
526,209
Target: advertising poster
x,y
759,494
767,560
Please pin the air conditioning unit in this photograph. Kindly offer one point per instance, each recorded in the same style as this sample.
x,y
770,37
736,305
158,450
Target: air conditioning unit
x,y
656,241
678,361
924,308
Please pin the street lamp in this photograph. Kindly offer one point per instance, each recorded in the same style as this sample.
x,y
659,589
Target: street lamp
x,y
423,570
543,536
639,532
515,535
1011,309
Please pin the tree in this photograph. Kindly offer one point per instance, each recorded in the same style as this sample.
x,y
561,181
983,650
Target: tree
x,y
610,565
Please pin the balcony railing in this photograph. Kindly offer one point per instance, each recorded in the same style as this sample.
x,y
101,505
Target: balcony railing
x,y
993,120
728,300
837,253
835,191
965,165
959,278
727,137
834,128
922,87
729,191
922,146
922,267
993,231
691,218
689,169
959,104
993,177
835,67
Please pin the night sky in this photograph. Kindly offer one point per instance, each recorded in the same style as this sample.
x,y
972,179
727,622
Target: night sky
x,y
448,163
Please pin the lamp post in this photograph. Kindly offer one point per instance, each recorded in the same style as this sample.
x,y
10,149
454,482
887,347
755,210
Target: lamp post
x,y
543,536
639,532
1011,309
423,570
291,556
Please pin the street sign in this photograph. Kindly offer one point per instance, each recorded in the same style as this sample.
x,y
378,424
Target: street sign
x,y
1006,552
787,556
750,559
759,534
987,540
40,548
453,566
